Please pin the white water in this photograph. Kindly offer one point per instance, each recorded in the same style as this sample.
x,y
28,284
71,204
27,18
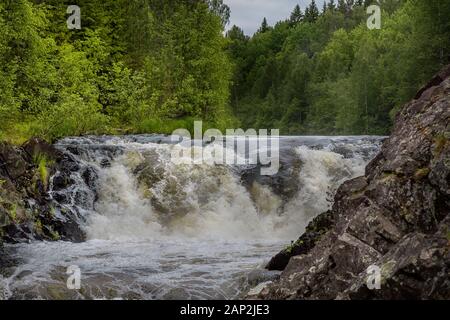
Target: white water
x,y
160,230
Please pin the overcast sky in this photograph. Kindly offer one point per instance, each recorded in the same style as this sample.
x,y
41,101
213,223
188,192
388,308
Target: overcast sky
x,y
248,14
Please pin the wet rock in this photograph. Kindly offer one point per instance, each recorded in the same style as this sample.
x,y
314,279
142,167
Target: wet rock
x,y
284,183
18,233
90,177
69,163
61,181
315,230
395,218
105,163
260,275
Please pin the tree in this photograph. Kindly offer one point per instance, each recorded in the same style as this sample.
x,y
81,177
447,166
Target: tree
x,y
312,12
334,76
296,16
220,9
264,26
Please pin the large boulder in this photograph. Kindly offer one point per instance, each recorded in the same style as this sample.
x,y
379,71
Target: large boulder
x,y
395,218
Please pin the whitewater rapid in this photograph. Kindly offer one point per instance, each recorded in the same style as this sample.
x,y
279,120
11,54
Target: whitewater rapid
x,y
159,230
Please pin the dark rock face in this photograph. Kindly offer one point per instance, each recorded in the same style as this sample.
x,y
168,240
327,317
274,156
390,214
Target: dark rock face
x,y
396,217
26,210
307,241
12,163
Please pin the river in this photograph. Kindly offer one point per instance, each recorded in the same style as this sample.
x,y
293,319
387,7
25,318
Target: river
x,y
154,229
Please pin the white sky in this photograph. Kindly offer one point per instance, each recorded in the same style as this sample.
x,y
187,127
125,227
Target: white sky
x,y
248,14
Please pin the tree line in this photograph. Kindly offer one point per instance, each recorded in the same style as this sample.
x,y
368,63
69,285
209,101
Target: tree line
x,y
322,71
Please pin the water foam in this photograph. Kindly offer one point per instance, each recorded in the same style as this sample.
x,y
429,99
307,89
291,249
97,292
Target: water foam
x,y
143,195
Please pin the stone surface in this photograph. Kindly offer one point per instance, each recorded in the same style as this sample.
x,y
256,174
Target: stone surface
x,y
26,210
396,217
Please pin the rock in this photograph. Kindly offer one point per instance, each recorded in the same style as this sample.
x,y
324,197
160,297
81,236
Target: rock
x,y
26,207
317,228
396,218
61,182
259,290
36,147
12,162
90,177
416,268
105,163
258,276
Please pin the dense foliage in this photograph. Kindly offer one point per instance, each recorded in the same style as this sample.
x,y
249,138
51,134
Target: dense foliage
x,y
138,66
327,73
156,65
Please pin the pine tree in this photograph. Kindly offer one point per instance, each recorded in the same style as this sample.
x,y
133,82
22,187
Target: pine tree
x,y
296,16
236,33
325,8
264,26
312,12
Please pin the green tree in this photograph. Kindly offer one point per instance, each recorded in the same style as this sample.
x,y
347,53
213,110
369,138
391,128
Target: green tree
x,y
296,16
264,26
312,12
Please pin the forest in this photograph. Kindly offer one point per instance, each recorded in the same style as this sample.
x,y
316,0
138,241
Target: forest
x,y
152,66
324,72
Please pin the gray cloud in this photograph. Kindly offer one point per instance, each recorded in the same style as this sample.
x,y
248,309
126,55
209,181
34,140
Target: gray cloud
x,y
248,14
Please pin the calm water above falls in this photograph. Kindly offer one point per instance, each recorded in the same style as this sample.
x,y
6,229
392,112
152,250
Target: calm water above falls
x,y
157,230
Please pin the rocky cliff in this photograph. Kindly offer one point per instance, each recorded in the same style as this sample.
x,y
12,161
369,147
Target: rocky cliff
x,y
395,218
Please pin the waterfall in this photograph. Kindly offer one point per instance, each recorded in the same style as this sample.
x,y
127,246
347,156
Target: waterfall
x,y
156,229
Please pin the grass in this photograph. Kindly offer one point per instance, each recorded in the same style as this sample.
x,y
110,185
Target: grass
x,y
16,135
19,133
13,212
38,226
42,164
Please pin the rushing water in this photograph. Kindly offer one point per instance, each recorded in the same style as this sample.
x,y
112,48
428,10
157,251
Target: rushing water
x,y
159,230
